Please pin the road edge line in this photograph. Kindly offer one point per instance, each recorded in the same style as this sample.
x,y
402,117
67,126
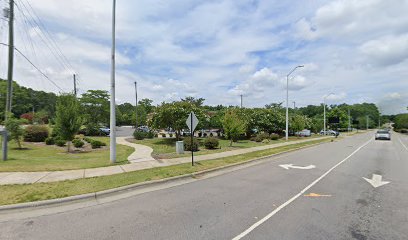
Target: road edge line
x,y
271,214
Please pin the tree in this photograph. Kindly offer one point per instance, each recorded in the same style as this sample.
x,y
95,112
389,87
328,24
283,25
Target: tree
x,y
95,105
341,114
174,115
13,126
198,102
298,122
147,105
401,121
68,119
233,126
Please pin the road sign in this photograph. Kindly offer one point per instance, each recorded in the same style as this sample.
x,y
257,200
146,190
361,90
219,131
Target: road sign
x,y
192,121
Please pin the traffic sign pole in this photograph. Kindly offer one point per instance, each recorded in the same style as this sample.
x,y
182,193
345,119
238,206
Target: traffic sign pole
x,y
192,145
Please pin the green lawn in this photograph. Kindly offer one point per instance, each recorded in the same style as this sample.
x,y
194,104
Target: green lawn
x,y
166,147
12,194
40,157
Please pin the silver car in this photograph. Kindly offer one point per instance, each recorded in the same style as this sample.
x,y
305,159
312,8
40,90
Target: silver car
x,y
383,135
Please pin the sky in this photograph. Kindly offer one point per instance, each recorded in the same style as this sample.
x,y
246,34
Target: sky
x,y
352,51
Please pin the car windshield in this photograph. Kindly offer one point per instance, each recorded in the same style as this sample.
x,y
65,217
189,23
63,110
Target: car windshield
x,y
382,131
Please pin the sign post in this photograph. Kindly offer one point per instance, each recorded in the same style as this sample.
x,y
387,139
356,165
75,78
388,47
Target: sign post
x,y
192,122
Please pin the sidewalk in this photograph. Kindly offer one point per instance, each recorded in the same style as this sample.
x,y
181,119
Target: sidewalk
x,y
140,159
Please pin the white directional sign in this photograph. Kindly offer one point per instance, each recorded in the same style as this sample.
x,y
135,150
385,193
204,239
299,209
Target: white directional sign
x,y
287,166
192,121
376,181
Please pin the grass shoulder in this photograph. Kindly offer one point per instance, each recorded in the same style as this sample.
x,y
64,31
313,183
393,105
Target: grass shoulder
x,y
12,194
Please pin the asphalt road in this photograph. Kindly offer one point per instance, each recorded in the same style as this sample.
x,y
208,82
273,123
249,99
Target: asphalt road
x,y
266,201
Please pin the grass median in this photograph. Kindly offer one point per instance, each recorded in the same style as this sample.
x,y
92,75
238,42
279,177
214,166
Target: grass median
x,y
11,194
36,157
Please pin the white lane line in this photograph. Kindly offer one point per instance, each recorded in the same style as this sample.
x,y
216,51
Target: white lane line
x,y
403,144
257,224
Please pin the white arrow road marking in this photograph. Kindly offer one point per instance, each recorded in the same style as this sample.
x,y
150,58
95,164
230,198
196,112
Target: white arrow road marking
x,y
285,204
376,181
287,166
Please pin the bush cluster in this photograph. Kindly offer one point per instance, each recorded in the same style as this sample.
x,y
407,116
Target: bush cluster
x,y
188,145
139,135
50,141
265,136
211,143
274,136
36,133
78,143
94,143
60,143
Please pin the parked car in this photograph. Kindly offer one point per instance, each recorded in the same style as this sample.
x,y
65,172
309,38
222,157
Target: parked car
x,y
304,133
105,130
383,135
330,132
143,129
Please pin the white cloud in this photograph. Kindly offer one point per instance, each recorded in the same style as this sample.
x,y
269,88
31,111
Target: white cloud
x,y
386,51
335,97
394,102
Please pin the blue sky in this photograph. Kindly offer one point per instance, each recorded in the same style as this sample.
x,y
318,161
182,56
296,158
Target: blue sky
x,y
221,49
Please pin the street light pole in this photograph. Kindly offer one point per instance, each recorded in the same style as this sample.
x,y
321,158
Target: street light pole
x,y
136,106
112,91
287,101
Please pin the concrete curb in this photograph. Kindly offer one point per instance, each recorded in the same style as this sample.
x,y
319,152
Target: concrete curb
x,y
105,193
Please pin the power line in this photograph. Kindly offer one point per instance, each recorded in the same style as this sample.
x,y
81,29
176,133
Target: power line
x,y
44,35
32,64
50,36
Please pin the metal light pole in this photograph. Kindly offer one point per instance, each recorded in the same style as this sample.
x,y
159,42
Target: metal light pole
x,y
287,101
324,113
112,91
367,122
136,105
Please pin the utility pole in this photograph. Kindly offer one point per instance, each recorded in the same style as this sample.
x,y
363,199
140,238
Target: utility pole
x,y
112,91
241,100
136,106
349,125
10,59
75,88
367,122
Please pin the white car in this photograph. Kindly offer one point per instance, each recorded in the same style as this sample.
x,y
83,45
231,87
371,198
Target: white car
x,y
383,134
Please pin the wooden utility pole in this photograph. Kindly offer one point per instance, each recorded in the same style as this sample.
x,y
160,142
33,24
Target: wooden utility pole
x,y
75,88
10,59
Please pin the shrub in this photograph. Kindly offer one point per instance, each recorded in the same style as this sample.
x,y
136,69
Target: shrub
x,y
150,135
97,144
60,143
171,135
274,136
78,143
88,140
28,116
50,141
211,143
139,135
188,145
35,133
163,135
266,141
